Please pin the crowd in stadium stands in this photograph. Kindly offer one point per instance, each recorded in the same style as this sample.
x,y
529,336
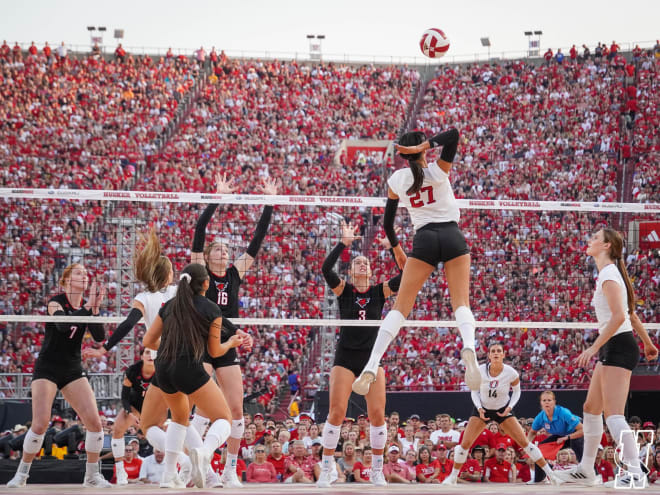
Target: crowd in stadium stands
x,y
418,450
528,132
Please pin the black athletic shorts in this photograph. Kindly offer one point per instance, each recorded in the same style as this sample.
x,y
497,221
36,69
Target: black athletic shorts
x,y
60,374
228,359
136,401
491,414
439,242
621,351
181,376
352,359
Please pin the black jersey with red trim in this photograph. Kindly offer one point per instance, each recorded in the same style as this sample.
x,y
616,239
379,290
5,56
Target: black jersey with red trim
x,y
224,292
356,305
139,382
63,347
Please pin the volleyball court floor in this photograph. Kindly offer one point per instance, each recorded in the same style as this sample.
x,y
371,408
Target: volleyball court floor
x,y
276,489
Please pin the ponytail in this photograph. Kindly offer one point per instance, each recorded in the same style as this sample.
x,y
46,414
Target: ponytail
x,y
413,139
630,292
615,240
418,177
185,330
149,265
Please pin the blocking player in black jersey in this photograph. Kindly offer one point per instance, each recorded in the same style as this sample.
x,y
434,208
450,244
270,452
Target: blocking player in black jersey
x,y
187,327
59,367
358,300
137,378
225,280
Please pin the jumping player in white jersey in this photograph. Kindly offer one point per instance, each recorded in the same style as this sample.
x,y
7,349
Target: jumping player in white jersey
x,y
155,271
425,191
493,403
59,367
618,354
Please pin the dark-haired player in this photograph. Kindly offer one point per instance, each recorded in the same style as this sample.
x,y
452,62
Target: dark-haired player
x,y
425,191
358,300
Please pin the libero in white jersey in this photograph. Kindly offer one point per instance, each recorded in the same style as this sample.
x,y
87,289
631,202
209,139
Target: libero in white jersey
x,y
492,403
424,189
494,391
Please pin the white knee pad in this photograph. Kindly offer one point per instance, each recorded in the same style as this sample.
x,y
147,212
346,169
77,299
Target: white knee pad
x,y
237,428
118,447
93,441
32,442
330,436
378,436
533,452
460,454
156,437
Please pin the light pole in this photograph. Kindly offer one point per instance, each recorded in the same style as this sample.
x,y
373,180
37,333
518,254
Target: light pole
x,y
315,52
96,39
538,33
486,42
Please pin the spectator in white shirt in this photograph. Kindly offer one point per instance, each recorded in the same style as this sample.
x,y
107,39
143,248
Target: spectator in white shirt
x,y
445,434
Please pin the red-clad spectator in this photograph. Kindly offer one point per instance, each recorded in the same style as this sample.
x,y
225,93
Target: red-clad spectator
x,y
33,50
132,465
497,469
120,53
474,468
299,466
219,460
277,459
548,56
573,53
261,470
362,469
445,464
46,50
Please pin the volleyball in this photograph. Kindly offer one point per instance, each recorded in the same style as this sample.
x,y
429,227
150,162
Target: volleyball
x,y
434,43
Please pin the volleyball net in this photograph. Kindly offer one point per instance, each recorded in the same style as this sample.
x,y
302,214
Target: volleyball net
x,y
530,277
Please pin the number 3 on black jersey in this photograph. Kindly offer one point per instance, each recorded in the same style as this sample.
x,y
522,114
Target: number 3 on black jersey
x,y
362,314
222,299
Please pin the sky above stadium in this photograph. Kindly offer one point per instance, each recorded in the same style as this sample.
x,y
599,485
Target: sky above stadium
x,y
354,27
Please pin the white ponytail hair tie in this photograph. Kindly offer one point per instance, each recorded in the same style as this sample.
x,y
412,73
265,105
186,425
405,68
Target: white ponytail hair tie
x,y
186,276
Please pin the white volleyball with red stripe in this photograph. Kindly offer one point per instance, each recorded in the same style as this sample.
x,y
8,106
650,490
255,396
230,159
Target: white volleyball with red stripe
x,y
434,43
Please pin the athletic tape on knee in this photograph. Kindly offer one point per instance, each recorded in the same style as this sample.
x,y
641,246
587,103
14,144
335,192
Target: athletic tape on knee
x,y
330,436
156,437
378,436
237,428
460,455
32,442
118,447
533,452
466,323
93,441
